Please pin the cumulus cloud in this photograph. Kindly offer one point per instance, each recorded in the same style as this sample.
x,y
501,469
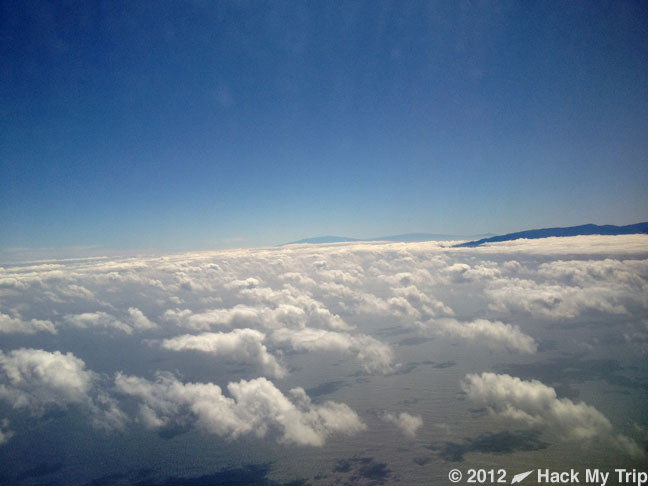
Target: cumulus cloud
x,y
240,345
36,380
134,320
427,303
408,424
494,333
243,315
256,407
375,356
9,325
139,320
97,319
275,302
537,404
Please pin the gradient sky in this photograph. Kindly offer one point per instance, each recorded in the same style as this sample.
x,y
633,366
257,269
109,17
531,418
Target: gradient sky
x,y
180,125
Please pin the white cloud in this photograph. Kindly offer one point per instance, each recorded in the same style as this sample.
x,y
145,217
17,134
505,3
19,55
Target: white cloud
x,y
459,273
97,319
537,404
494,333
401,306
248,283
36,379
313,339
373,355
139,320
237,316
583,273
255,407
552,300
585,245
428,304
408,424
240,345
9,325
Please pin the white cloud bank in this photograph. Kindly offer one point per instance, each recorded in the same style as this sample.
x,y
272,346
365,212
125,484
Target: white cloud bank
x,y
249,305
537,404
256,407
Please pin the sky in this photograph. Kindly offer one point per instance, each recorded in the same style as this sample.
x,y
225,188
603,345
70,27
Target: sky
x,y
198,125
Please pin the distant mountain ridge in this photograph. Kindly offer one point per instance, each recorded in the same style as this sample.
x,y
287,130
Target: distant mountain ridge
x,y
317,240
585,229
407,237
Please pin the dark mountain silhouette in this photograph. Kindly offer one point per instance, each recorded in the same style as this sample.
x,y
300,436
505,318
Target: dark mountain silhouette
x,y
585,229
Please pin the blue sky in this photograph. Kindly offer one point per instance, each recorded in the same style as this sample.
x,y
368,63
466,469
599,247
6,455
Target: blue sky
x,y
179,125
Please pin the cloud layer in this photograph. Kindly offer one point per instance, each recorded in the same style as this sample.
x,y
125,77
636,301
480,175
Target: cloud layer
x,y
221,341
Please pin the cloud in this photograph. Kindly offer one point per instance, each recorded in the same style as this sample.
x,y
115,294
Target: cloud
x,y
250,305
374,356
585,244
139,320
408,424
494,333
36,380
583,273
256,407
97,319
427,303
10,325
565,289
240,345
5,433
272,301
401,306
243,315
536,404
552,300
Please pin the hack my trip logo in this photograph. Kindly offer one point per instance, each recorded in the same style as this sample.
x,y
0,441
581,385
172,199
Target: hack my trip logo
x,y
589,477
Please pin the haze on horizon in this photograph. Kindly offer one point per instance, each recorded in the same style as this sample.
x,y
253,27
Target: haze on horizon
x,y
199,125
